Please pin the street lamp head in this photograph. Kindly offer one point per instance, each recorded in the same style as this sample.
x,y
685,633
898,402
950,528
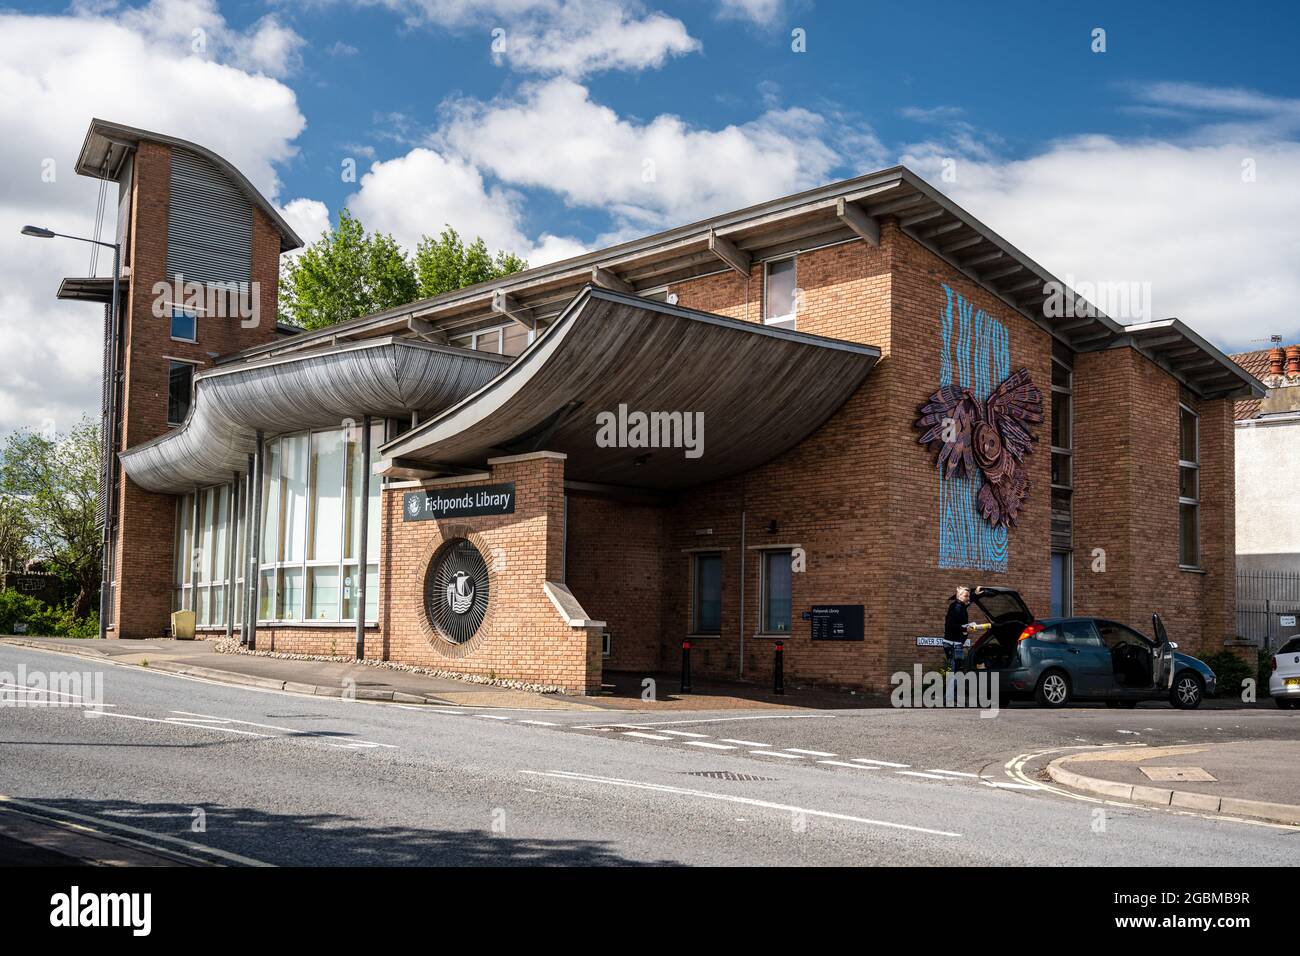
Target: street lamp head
x,y
40,232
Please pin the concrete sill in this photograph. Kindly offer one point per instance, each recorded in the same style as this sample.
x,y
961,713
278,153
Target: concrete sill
x,y
702,637
1190,569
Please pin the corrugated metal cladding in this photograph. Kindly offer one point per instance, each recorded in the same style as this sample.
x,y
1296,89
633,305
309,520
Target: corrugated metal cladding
x,y
210,224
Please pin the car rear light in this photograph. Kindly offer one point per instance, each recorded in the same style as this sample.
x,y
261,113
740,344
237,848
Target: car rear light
x,y
1031,630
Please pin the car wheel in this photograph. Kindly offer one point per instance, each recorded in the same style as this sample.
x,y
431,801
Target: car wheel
x,y
1187,691
1053,689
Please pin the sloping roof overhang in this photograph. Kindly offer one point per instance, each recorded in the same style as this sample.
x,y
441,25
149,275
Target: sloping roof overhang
x,y
759,390
1189,358
384,377
107,144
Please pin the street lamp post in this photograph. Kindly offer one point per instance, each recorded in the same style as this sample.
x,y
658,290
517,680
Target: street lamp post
x,y
40,232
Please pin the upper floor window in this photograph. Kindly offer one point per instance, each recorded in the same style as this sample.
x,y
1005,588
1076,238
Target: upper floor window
x,y
780,291
1189,487
185,325
509,339
180,380
706,604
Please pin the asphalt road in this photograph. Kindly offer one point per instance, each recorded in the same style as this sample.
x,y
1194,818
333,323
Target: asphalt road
x,y
241,776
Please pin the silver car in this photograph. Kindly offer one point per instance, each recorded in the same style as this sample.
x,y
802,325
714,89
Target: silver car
x,y
1284,682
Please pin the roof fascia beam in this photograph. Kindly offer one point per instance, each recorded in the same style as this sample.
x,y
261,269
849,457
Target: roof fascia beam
x,y
607,279
726,250
509,306
857,220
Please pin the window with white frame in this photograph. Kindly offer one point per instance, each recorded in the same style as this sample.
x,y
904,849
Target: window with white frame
x,y
206,528
780,293
1189,487
510,339
312,497
185,325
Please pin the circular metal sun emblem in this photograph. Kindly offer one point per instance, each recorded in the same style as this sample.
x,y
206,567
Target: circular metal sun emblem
x,y
456,590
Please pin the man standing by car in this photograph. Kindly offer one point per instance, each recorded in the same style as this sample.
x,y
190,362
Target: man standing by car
x,y
954,624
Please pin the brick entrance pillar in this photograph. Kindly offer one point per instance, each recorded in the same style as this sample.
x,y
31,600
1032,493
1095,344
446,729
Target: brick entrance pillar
x,y
535,630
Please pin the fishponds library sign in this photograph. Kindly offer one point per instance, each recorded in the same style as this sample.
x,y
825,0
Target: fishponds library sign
x,y
460,502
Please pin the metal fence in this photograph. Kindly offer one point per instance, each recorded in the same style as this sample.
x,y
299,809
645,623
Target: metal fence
x,y
1264,598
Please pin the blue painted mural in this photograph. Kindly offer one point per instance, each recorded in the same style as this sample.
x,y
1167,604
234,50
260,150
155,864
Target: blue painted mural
x,y
977,356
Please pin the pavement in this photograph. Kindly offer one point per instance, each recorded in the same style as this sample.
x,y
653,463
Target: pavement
x,y
242,775
1254,778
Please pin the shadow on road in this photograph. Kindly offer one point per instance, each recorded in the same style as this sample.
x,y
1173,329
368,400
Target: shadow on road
x,y
327,839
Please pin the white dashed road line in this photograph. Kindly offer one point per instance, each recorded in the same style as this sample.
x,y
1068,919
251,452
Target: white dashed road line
x,y
711,746
776,753
917,773
731,798
809,753
637,733
540,723
855,766
956,773
684,733
879,763
744,743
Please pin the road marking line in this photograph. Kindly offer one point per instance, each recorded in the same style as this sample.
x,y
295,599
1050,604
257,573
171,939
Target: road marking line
x,y
731,798
956,773
776,753
917,773
127,828
882,763
540,723
844,763
711,746
637,733
683,733
170,723
1001,785
492,716
292,731
721,720
744,743
810,753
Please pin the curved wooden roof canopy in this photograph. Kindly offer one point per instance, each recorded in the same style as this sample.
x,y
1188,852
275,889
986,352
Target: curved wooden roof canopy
x,y
385,377
761,390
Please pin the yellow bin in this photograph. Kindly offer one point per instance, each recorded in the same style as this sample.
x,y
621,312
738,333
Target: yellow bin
x,y
183,625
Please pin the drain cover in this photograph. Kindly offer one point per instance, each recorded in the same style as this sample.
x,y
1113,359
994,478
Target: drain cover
x,y
726,775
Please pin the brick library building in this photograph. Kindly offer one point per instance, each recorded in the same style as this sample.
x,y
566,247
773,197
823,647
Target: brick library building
x,y
806,421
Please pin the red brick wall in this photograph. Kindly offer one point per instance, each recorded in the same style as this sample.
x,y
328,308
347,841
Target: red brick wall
x,y
1126,503
146,520
615,566
860,496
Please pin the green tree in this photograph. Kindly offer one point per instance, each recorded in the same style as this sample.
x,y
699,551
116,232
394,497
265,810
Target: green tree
x,y
446,263
344,274
56,480
15,533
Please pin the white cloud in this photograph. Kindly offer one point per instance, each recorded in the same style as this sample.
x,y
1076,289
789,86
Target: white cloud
x,y
665,171
761,12
1219,252
420,193
110,67
565,37
196,27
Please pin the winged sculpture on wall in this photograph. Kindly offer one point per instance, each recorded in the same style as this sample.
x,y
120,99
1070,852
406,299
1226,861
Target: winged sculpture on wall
x,y
991,435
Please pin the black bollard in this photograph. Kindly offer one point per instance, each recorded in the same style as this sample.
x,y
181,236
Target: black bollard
x,y
686,667
778,670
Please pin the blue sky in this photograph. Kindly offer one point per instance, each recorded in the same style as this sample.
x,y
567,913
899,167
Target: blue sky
x,y
1170,159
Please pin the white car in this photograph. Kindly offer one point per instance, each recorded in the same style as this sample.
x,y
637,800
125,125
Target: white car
x,y
1284,683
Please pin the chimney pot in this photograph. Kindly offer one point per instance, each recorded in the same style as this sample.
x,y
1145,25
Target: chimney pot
x,y
1276,360
1292,361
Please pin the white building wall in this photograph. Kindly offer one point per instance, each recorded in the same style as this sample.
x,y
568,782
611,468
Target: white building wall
x,y
1268,493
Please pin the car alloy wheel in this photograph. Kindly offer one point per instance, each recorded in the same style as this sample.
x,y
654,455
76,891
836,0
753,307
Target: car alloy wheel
x,y
1053,689
1187,692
